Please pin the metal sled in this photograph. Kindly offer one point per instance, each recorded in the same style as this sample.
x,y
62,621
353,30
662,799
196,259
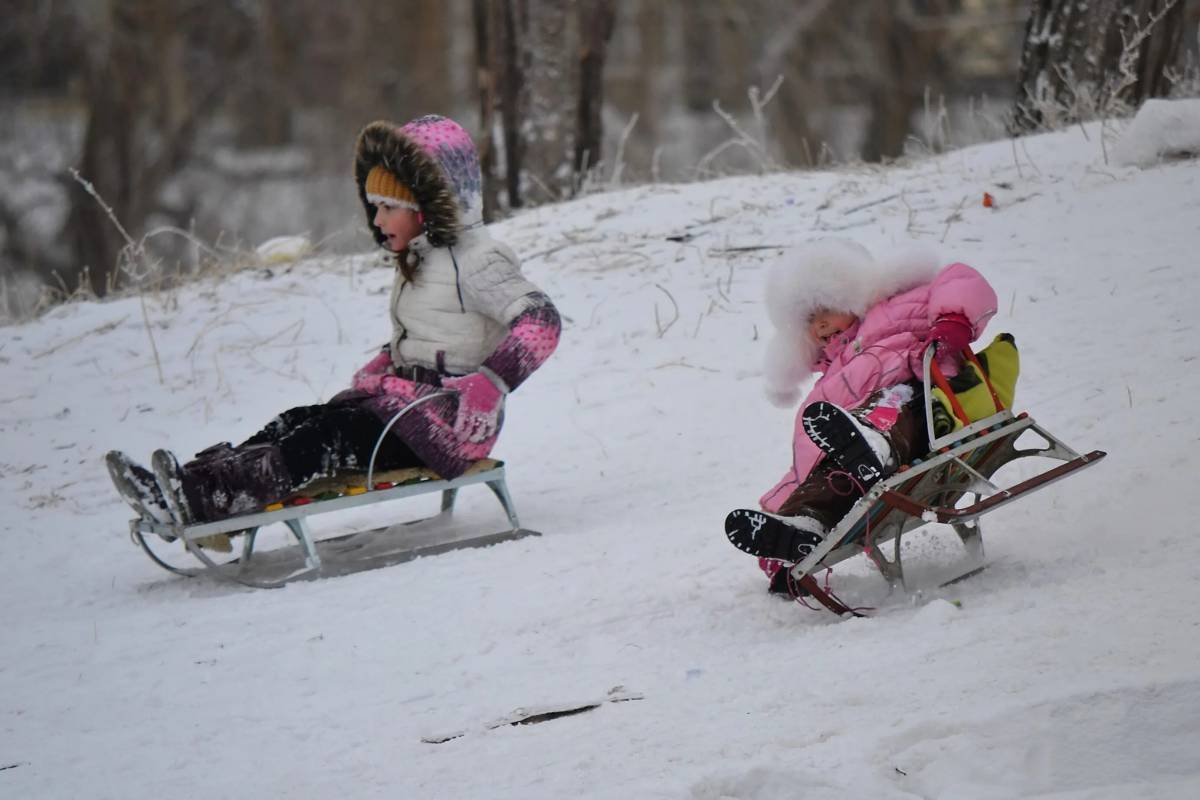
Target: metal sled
x,y
341,555
951,485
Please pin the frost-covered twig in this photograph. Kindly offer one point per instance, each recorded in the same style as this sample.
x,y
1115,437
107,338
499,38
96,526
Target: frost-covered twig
x,y
756,147
129,251
91,189
619,159
105,328
675,306
954,216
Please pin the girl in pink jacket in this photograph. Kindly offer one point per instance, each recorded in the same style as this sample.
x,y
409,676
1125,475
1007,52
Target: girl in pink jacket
x,y
862,326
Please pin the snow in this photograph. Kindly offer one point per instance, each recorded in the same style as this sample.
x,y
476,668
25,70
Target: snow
x,y
1160,129
1070,668
282,249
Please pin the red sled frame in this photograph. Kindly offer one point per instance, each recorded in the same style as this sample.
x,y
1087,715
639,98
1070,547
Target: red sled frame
x,y
959,466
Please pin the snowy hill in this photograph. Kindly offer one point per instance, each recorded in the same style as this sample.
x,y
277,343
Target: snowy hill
x,y
1071,669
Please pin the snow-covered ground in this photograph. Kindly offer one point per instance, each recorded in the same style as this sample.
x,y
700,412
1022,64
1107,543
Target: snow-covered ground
x,y
1069,669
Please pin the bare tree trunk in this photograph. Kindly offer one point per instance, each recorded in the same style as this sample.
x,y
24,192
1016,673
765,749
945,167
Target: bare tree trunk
x,y
596,21
788,50
699,65
109,159
146,99
907,53
513,95
265,107
1082,59
549,125
485,19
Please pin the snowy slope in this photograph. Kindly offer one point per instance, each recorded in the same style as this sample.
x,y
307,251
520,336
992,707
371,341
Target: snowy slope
x,y
1071,670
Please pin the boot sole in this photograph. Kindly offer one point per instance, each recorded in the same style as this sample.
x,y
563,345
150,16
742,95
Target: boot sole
x,y
832,430
765,536
125,487
166,470
129,491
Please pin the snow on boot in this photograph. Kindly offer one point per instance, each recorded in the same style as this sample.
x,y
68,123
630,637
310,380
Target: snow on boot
x,y
137,487
758,533
857,449
170,478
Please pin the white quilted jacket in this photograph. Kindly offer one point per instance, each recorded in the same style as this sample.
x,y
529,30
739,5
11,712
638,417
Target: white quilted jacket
x,y
458,308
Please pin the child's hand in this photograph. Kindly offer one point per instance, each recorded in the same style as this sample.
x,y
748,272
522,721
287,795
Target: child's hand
x,y
479,402
951,333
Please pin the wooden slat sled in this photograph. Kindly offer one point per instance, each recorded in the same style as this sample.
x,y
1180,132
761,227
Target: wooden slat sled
x,y
951,485
340,555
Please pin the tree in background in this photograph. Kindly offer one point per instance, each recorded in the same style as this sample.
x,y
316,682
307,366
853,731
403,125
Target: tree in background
x,y
909,39
232,118
1083,59
597,18
159,71
540,66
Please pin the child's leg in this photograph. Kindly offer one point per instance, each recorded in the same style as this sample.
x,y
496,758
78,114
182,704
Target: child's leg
x,y
296,448
790,533
284,423
898,412
341,438
825,495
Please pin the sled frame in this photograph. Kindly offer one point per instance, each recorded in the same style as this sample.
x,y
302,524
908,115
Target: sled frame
x,y
295,517
931,489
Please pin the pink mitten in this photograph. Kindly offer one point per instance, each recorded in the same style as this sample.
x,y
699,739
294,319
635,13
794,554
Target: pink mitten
x,y
479,402
952,333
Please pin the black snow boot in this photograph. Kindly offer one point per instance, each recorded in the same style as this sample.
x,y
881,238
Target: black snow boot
x,y
787,539
137,487
166,469
862,452
782,585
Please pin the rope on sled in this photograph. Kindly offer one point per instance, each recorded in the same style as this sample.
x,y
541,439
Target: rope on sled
x,y
825,594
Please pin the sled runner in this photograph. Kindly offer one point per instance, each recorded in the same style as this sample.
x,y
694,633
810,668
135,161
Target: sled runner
x,y
340,555
951,485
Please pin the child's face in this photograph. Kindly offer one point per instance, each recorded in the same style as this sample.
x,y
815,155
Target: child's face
x,y
824,324
399,225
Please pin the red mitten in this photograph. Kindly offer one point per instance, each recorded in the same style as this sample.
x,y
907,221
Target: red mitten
x,y
952,333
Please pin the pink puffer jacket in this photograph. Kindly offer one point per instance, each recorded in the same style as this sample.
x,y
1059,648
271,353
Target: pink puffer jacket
x,y
883,349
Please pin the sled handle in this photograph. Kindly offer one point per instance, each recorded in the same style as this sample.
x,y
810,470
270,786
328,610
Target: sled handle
x,y
393,421
931,369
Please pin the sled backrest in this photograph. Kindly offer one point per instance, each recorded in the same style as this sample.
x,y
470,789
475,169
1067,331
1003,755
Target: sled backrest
x,y
971,407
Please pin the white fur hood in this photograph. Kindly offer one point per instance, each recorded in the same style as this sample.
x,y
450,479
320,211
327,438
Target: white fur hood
x,y
834,274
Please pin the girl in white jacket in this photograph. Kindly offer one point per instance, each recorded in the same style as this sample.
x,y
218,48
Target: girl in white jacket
x,y
463,317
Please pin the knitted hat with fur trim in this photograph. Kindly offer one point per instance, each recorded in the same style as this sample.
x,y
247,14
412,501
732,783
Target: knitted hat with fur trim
x,y
383,189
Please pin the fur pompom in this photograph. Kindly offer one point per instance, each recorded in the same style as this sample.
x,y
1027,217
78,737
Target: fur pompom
x,y
785,367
